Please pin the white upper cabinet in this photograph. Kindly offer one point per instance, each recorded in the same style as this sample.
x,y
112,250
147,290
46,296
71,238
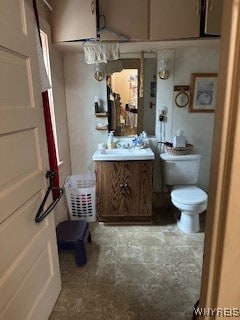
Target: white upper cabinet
x,y
137,20
174,19
213,17
127,17
73,20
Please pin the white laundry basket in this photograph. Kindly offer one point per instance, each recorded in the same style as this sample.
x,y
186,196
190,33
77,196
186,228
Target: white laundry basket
x,y
80,192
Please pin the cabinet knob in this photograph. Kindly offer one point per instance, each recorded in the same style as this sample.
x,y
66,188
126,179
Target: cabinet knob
x,y
93,7
124,188
210,5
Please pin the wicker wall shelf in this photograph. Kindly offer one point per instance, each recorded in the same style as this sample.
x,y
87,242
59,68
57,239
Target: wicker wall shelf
x,y
101,114
180,151
101,128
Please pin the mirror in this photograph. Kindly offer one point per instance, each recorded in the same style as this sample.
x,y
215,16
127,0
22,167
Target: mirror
x,y
129,114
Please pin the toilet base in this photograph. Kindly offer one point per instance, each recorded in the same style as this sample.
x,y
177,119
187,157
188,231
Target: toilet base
x,y
189,222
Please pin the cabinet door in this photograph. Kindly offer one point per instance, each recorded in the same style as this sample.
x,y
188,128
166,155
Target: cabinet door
x,y
110,194
213,17
73,20
174,19
138,199
129,18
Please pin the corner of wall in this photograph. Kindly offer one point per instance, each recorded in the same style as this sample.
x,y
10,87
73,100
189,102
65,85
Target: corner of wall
x,y
165,96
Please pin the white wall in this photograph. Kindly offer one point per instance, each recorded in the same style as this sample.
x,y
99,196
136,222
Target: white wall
x,y
198,127
150,70
61,211
57,75
81,88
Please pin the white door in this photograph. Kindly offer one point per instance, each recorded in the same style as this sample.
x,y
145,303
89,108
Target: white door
x,y
29,269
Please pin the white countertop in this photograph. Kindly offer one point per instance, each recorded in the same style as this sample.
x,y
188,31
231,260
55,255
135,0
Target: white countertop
x,y
123,154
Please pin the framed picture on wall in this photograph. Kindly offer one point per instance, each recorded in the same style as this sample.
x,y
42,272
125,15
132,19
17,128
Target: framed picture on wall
x,y
203,90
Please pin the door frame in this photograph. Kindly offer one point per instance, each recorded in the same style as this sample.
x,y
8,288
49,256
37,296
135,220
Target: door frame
x,y
220,283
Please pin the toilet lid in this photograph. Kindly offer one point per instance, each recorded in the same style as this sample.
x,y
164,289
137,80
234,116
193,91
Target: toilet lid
x,y
189,195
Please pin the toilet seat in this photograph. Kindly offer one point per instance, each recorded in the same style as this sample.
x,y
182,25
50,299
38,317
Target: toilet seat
x,y
189,195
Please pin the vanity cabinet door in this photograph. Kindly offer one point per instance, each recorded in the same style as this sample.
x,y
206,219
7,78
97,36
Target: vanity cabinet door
x,y
138,199
174,19
124,190
213,17
110,196
73,20
129,18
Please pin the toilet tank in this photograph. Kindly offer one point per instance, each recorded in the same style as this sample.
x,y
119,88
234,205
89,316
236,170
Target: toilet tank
x,y
180,169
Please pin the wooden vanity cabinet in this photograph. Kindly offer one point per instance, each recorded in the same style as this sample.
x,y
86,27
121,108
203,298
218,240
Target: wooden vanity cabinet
x,y
124,190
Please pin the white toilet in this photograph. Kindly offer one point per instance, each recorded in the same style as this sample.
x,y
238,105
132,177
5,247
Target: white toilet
x,y
181,173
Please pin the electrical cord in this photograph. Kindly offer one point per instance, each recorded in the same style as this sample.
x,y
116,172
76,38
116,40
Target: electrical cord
x,y
155,150
168,144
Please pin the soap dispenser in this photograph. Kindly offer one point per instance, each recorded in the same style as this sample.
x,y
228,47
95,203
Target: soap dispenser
x,y
110,141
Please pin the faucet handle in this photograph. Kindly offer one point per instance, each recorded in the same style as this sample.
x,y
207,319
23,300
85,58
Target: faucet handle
x,y
119,146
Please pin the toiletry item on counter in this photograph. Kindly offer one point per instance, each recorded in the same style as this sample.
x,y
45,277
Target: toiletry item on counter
x,y
179,140
102,147
140,141
97,105
110,141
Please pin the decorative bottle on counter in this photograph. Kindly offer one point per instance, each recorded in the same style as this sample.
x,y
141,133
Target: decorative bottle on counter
x,y
110,141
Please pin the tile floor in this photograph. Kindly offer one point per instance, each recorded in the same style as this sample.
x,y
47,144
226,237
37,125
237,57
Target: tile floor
x,y
133,273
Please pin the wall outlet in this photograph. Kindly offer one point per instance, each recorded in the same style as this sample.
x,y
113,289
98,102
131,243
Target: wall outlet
x,y
163,111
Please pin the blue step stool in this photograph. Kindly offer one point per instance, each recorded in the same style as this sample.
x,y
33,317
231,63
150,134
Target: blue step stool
x,y
73,235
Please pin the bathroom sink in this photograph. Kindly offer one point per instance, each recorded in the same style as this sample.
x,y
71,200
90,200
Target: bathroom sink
x,y
123,154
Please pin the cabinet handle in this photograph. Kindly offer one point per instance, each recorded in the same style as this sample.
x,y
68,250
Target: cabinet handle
x,y
210,5
123,185
93,7
198,11
124,188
